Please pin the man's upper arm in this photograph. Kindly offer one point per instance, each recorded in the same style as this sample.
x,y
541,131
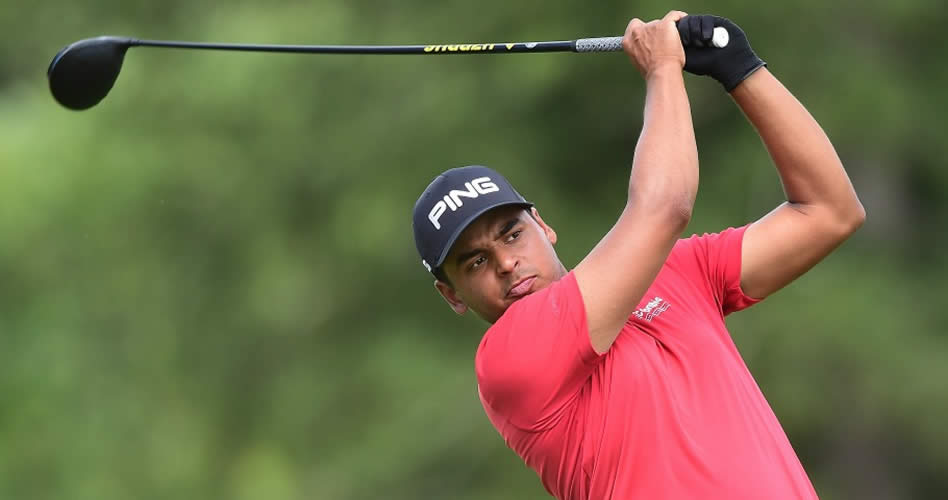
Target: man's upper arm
x,y
786,243
617,273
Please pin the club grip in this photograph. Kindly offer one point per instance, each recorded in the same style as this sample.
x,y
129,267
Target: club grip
x,y
719,39
601,44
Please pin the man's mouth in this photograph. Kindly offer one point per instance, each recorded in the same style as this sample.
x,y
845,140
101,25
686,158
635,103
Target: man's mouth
x,y
521,287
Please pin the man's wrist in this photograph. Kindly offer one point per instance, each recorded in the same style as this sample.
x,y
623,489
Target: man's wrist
x,y
734,80
670,71
746,88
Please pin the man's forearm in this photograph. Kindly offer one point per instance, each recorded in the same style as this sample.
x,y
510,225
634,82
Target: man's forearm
x,y
812,174
665,168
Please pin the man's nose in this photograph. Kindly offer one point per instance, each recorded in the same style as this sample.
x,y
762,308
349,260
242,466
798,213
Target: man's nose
x,y
507,262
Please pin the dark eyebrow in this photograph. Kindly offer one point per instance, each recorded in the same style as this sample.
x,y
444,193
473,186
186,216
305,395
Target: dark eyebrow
x,y
508,226
462,258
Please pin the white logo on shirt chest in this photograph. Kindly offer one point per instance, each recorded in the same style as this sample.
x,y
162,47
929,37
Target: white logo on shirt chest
x,y
651,310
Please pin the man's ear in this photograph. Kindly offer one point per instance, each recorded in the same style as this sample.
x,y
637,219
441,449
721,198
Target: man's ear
x,y
450,296
550,233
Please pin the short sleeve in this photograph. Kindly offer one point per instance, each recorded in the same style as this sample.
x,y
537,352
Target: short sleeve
x,y
534,360
717,257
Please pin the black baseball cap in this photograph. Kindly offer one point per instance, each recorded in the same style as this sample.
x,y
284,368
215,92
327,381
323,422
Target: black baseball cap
x,y
451,203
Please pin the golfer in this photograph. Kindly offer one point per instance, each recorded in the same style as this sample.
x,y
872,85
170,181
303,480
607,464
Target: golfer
x,y
618,379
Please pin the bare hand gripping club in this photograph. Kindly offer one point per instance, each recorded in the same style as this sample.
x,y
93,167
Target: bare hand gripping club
x,y
83,73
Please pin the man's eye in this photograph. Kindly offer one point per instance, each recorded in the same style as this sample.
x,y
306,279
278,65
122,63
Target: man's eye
x,y
477,262
514,235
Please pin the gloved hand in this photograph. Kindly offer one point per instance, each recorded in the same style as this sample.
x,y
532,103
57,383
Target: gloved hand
x,y
729,65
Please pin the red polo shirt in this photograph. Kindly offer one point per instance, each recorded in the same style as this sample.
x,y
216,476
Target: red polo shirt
x,y
670,411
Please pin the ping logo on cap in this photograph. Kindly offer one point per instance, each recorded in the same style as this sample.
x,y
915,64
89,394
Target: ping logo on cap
x,y
474,188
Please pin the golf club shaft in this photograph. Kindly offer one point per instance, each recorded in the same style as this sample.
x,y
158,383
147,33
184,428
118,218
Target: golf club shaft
x,y
606,44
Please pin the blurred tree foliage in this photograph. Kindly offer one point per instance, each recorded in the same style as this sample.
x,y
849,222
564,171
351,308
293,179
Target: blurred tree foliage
x,y
208,283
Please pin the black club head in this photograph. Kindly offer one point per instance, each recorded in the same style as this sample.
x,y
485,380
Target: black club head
x,y
82,73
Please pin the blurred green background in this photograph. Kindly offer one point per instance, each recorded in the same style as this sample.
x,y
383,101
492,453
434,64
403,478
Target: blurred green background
x,y
209,287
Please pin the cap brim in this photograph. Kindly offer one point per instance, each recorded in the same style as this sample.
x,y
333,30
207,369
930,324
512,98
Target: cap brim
x,y
463,225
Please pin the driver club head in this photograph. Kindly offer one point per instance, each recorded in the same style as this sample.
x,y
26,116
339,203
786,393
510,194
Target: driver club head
x,y
82,73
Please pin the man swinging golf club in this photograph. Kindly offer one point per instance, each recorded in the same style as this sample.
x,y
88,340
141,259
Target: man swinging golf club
x,y
618,379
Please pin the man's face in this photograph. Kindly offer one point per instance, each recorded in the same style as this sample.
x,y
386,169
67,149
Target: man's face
x,y
501,257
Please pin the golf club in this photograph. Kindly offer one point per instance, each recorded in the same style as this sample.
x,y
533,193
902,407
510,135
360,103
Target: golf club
x,y
83,73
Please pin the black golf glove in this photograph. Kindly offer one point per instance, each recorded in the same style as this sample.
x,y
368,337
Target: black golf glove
x,y
729,65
